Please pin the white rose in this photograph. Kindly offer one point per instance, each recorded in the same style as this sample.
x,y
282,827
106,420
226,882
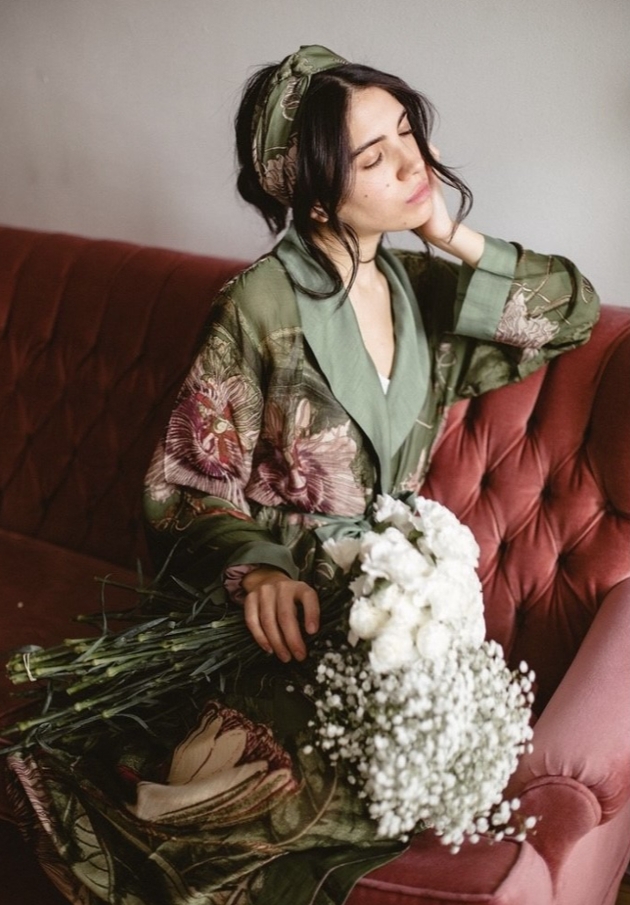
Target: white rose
x,y
361,586
451,595
366,620
376,545
391,650
433,640
397,513
473,629
390,555
343,551
445,535
410,570
406,609
387,597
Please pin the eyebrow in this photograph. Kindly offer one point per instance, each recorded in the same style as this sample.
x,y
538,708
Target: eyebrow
x,y
375,141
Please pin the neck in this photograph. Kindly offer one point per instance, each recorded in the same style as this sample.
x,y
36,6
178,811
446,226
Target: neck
x,y
368,250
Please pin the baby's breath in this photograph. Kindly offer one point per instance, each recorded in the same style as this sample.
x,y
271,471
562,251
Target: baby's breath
x,y
423,715
433,744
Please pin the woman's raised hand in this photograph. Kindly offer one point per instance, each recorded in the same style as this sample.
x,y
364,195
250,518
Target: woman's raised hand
x,y
272,604
439,226
440,229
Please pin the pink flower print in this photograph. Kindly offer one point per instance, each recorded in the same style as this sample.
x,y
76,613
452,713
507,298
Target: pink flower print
x,y
212,431
310,471
34,787
230,765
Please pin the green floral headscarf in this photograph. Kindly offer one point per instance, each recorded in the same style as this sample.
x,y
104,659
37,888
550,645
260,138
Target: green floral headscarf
x,y
274,136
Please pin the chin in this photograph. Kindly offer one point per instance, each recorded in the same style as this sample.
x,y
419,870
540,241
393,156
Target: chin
x,y
412,226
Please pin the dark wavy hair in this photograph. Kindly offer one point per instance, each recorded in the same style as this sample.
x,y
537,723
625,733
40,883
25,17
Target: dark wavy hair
x,y
324,161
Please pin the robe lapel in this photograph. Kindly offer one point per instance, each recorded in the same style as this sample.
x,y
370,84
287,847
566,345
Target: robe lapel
x,y
410,377
332,332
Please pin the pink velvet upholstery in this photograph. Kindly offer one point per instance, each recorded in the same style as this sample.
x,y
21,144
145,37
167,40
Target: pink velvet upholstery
x,y
95,338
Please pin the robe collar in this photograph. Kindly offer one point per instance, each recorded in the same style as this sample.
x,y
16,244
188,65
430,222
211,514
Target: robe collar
x,y
332,332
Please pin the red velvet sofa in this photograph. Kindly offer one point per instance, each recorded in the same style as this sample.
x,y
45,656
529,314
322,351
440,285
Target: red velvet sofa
x,y
95,338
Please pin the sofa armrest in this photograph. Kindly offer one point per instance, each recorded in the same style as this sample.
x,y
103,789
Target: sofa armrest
x,y
578,774
584,731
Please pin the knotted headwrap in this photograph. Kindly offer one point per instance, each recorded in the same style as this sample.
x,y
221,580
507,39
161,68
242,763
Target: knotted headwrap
x,y
273,133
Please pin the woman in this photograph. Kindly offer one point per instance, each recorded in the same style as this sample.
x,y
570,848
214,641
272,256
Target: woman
x,y
324,379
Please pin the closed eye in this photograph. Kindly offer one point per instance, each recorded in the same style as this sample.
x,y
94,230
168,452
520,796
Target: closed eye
x,y
370,166
404,130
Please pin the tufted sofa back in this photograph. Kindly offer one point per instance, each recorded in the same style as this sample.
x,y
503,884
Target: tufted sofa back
x,y
540,471
95,339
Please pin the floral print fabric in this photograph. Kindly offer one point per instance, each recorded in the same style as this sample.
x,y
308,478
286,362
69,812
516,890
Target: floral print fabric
x,y
234,818
274,143
258,434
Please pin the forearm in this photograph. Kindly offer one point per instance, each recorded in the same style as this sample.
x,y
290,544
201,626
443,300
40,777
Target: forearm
x,y
465,244
232,540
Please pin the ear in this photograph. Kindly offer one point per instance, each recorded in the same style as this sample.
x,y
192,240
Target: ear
x,y
318,213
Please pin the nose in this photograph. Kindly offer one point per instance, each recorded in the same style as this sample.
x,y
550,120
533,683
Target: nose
x,y
411,160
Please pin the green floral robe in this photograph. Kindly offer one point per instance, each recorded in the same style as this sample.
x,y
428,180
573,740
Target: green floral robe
x,y
281,434
283,424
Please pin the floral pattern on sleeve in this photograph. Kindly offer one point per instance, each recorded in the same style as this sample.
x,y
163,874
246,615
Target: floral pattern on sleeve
x,y
519,327
550,303
214,426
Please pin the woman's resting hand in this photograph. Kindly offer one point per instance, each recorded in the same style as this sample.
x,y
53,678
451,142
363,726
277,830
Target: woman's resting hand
x,y
271,607
442,232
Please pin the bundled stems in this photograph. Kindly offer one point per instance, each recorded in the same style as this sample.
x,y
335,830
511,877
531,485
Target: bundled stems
x,y
132,674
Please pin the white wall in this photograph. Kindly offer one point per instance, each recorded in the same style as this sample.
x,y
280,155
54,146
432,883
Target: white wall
x,y
117,114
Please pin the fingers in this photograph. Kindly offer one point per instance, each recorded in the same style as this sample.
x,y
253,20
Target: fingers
x,y
271,614
310,606
277,614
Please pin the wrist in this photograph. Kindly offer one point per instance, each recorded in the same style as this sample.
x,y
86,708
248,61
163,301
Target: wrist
x,y
462,242
233,579
259,575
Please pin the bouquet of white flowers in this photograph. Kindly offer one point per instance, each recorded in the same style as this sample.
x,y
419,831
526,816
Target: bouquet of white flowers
x,y
425,716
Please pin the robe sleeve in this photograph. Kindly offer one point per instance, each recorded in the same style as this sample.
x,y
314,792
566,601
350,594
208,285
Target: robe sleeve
x,y
195,500
499,322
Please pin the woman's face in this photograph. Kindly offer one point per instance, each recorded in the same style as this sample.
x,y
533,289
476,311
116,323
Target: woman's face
x,y
391,189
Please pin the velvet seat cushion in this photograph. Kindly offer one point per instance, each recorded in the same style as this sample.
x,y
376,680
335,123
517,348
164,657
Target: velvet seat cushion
x,y
43,588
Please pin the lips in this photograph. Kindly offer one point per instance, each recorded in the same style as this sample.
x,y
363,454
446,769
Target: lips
x,y
421,194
